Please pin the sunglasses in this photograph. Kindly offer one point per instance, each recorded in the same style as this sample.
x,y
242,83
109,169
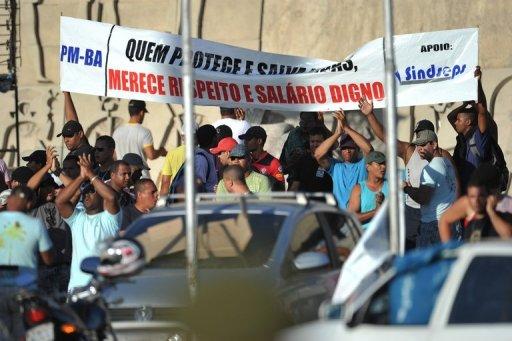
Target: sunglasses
x,y
237,157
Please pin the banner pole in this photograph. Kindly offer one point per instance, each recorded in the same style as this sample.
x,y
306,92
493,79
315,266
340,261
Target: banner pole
x,y
391,135
188,105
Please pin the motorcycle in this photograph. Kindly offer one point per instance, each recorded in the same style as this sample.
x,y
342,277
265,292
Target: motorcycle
x,y
84,315
34,316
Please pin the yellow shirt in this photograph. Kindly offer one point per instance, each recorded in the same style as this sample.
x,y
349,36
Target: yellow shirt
x,y
173,161
256,182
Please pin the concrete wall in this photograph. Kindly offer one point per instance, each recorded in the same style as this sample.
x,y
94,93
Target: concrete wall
x,y
328,29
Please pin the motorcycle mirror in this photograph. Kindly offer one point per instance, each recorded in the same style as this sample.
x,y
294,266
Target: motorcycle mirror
x,y
90,265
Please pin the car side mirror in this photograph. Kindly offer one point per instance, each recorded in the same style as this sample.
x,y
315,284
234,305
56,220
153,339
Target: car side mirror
x,y
311,260
90,265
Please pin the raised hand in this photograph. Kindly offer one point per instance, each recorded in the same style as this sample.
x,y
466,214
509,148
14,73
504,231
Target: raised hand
x,y
240,114
85,163
51,154
492,201
365,106
478,72
55,165
342,121
320,116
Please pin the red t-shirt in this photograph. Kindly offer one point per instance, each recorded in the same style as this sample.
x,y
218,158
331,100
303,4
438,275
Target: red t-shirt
x,y
269,166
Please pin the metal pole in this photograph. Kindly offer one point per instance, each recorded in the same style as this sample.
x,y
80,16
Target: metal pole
x,y
13,69
391,153
191,218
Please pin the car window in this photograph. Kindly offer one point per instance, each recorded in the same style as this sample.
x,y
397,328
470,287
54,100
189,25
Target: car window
x,y
344,235
222,242
485,294
308,236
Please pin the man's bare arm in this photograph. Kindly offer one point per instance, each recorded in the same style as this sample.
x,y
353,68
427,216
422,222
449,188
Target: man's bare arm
x,y
69,108
502,227
38,177
453,214
152,153
366,108
326,146
421,195
64,199
166,183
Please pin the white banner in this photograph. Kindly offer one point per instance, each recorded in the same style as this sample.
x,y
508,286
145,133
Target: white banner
x,y
108,60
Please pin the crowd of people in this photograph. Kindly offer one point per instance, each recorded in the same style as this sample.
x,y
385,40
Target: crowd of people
x,y
53,215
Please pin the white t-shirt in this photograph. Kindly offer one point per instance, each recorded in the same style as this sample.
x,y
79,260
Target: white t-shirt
x,y
440,175
132,138
413,170
238,127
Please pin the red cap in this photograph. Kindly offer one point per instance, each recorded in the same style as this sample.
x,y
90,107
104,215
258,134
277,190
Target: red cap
x,y
224,145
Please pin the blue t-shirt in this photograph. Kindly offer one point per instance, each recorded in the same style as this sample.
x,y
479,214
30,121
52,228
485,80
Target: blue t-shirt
x,y
21,238
368,199
440,175
205,169
344,176
86,232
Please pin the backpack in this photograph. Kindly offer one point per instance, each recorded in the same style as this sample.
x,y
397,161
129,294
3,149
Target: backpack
x,y
495,158
179,179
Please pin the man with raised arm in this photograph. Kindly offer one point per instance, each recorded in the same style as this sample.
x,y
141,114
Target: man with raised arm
x,y
72,131
414,164
473,126
96,219
352,169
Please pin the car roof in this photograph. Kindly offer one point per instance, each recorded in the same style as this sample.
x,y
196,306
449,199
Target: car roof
x,y
287,207
487,247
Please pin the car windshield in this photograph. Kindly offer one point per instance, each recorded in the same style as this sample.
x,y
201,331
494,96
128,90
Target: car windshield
x,y
225,240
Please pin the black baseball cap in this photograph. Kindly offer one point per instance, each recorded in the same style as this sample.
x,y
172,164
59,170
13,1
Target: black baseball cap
x,y
38,156
135,160
256,131
70,129
424,125
347,142
22,174
135,106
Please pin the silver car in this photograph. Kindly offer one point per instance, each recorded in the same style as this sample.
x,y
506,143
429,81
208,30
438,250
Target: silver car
x,y
294,245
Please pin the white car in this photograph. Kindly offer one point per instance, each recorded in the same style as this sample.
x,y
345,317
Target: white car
x,y
474,303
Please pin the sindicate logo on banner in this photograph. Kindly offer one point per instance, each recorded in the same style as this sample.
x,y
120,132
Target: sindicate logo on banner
x,y
108,60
